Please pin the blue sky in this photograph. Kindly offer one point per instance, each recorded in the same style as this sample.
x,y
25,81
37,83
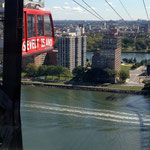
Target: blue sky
x,y
68,10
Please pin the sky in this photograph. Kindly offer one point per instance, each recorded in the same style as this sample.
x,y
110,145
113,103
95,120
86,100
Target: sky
x,y
68,10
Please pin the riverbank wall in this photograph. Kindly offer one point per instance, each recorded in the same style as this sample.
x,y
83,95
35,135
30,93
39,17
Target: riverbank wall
x,y
136,52
125,51
81,87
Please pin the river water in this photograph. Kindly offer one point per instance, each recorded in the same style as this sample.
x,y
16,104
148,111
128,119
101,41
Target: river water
x,y
138,56
60,119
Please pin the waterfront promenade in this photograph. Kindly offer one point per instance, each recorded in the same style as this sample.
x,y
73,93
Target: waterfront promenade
x,y
110,88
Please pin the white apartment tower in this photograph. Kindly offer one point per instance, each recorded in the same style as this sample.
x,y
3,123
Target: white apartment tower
x,y
72,51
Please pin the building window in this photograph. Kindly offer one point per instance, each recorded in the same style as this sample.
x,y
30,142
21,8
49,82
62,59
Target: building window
x,y
40,26
48,28
31,26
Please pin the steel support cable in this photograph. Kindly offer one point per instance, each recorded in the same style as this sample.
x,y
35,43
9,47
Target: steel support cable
x,y
145,9
87,10
114,9
125,10
93,10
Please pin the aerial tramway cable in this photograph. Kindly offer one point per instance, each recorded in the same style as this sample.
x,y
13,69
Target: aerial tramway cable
x,y
93,10
114,10
87,10
125,10
146,10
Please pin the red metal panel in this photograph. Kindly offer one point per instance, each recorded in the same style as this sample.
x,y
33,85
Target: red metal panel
x,y
38,44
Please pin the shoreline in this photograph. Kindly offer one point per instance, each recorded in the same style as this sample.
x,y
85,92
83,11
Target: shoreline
x,y
82,87
135,52
147,52
85,88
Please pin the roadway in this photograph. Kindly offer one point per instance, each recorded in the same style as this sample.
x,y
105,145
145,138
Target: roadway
x,y
136,77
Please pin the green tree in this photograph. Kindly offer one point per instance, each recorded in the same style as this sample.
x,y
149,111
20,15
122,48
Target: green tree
x,y
111,73
31,70
124,75
58,70
140,44
90,43
94,41
125,60
147,86
79,73
134,60
66,73
51,70
56,44
42,71
127,42
89,64
1,73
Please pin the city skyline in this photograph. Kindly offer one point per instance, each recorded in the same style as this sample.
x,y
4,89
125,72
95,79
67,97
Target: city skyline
x,y
68,10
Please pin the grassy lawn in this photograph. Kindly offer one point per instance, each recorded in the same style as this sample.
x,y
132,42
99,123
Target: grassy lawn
x,y
126,67
55,78
58,78
119,87
125,87
23,74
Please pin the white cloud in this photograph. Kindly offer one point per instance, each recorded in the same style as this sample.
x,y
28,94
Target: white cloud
x,y
66,7
78,9
57,7
66,3
107,9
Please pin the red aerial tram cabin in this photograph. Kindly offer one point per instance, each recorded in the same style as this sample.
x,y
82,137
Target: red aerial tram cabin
x,y
38,32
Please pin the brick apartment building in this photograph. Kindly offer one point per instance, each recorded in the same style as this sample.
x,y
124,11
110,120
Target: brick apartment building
x,y
110,53
49,58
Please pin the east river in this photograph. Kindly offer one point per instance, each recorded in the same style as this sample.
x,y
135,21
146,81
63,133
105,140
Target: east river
x,y
138,56
60,119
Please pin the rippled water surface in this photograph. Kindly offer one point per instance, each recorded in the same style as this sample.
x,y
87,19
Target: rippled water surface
x,y
60,119
138,56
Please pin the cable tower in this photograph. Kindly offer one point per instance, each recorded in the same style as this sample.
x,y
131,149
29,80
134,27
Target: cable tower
x,y
32,4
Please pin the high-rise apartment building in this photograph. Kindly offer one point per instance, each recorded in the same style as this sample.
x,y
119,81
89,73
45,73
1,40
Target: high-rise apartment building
x,y
144,27
110,53
72,51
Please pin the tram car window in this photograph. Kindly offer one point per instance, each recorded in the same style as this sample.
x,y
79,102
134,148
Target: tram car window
x,y
40,25
48,29
31,26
